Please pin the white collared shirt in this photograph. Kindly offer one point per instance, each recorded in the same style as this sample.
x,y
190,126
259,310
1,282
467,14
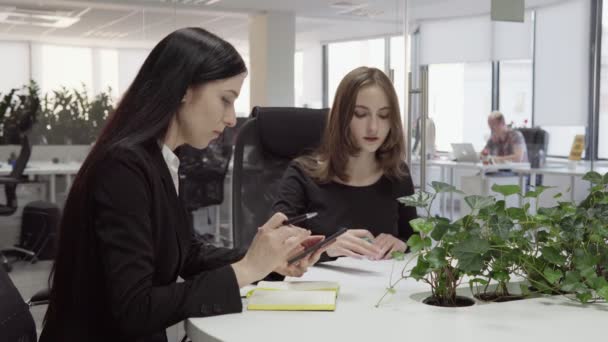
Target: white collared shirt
x,y
173,164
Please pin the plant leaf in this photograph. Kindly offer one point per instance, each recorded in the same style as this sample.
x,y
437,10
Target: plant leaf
x,y
441,187
476,202
553,255
440,229
506,190
553,276
584,297
516,213
437,257
593,177
398,255
422,225
469,253
572,282
421,269
603,292
417,244
420,199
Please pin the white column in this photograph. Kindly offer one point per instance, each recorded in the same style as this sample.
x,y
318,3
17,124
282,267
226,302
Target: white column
x,y
313,76
271,52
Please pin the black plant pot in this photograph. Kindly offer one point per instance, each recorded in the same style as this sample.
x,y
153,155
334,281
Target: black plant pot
x,y
460,301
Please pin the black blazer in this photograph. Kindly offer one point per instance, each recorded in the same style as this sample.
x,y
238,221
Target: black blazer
x,y
143,241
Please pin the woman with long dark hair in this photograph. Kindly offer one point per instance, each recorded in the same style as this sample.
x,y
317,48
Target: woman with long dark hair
x,y
125,237
354,178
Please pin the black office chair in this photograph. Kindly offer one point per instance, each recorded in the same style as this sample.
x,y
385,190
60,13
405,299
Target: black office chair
x,y
16,321
264,147
537,141
203,172
10,187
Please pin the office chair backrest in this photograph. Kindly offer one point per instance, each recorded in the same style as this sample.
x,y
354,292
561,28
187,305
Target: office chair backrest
x,y
17,172
265,145
537,141
16,321
202,172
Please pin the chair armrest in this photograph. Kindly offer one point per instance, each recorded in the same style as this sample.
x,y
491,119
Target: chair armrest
x,y
40,298
9,180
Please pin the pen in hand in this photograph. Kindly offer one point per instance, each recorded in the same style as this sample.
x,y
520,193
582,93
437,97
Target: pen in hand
x,y
299,218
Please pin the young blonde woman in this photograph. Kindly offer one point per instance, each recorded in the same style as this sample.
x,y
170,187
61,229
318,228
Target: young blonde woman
x,y
358,172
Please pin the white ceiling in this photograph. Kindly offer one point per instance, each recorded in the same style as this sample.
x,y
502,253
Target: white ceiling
x,y
134,23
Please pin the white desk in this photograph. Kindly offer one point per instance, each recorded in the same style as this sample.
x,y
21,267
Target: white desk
x,y
450,166
402,317
560,170
52,170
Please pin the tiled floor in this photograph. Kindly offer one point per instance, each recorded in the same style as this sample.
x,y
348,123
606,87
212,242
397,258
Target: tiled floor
x,y
30,278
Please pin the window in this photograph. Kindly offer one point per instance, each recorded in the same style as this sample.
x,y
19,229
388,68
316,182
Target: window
x,y
62,66
344,57
516,92
105,71
561,139
460,100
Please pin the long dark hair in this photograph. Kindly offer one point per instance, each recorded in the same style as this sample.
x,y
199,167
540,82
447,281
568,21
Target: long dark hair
x,y
331,158
187,57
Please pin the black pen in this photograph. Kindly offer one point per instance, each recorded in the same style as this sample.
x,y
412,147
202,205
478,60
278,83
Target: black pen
x,y
299,218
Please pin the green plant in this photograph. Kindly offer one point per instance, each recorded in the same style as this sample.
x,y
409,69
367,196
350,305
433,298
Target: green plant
x,y
19,111
70,117
572,255
444,251
558,250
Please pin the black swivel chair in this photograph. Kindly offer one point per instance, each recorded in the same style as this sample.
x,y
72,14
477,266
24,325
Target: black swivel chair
x,y
264,147
537,141
202,174
10,187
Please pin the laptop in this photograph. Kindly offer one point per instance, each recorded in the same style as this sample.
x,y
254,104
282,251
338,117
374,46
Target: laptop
x,y
464,152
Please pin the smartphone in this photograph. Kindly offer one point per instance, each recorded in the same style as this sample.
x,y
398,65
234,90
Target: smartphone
x,y
317,246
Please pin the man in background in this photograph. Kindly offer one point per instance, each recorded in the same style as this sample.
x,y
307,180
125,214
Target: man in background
x,y
505,145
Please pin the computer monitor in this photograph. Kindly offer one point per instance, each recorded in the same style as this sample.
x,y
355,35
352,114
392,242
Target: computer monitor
x,y
464,152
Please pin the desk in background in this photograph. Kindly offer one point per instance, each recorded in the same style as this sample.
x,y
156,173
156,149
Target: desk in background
x,y
448,166
402,317
50,169
560,170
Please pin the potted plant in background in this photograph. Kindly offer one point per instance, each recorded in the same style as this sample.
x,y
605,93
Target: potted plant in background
x,y
71,117
19,111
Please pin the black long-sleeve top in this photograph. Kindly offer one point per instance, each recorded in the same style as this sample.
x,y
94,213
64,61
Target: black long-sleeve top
x,y
374,207
142,241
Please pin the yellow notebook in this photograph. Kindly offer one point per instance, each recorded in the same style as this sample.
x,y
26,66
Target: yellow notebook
x,y
294,296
